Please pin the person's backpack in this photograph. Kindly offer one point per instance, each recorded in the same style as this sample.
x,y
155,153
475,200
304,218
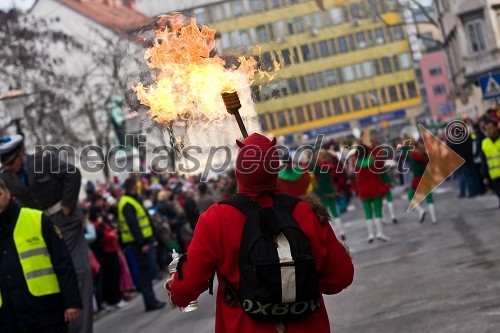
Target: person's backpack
x,y
278,278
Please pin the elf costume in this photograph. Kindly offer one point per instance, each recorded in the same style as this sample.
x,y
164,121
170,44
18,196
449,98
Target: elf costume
x,y
418,160
293,180
387,179
324,171
371,190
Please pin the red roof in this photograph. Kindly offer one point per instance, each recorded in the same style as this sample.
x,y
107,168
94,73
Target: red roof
x,y
116,17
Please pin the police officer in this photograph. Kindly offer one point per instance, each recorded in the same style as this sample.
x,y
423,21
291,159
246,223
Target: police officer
x,y
136,232
48,183
491,156
38,284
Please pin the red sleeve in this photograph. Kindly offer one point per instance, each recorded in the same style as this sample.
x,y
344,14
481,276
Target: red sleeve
x,y
337,272
334,265
201,262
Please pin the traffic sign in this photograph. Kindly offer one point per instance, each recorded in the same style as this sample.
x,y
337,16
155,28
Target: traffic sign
x,y
490,85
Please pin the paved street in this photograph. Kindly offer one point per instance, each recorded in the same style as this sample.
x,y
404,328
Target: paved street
x,y
429,278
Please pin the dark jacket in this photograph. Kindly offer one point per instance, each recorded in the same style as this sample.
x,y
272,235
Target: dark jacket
x,y
22,311
50,180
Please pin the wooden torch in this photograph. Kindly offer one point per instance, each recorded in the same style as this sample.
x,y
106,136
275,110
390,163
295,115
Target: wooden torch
x,y
233,105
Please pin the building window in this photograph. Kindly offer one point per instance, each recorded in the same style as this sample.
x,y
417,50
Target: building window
x,y
327,19
315,54
275,90
284,87
255,93
263,123
402,91
359,71
306,54
347,105
296,58
311,82
393,94
309,113
287,58
317,23
294,87
289,25
261,32
386,65
330,77
336,14
281,30
388,32
398,32
267,61
237,8
217,12
376,65
475,31
275,3
303,84
299,115
379,33
439,89
270,27
289,115
244,38
405,61
345,13
356,102
362,9
328,109
350,41
383,95
374,98
367,69
298,24
435,70
323,46
272,122
349,73
337,106
369,37
333,46
396,63
256,6
318,111
412,89
320,80
354,11
340,75
360,36
374,10
343,45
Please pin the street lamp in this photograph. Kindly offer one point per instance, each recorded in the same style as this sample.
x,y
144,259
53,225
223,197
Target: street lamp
x,y
13,110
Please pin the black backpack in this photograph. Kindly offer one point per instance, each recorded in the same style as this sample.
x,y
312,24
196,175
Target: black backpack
x,y
278,278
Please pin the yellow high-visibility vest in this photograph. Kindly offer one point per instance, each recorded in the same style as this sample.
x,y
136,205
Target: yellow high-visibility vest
x,y
34,255
492,152
142,218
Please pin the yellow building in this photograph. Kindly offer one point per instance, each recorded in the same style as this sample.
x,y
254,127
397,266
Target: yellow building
x,y
339,67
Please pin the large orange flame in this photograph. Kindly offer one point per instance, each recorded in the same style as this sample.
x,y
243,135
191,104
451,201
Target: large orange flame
x,y
190,81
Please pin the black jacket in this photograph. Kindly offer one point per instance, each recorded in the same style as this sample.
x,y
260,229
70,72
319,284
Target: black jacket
x,y
22,311
50,180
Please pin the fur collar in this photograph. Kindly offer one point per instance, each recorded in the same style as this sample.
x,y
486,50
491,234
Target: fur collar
x,y
317,207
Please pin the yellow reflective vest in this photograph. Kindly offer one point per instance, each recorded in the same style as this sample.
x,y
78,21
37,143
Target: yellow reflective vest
x,y
492,152
34,255
142,218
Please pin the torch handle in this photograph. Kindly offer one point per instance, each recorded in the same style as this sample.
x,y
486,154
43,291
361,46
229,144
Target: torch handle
x,y
241,125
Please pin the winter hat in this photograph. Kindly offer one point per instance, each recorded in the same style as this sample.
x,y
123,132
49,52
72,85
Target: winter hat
x,y
257,165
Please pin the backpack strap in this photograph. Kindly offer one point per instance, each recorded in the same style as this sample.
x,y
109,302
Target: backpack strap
x,y
287,202
241,202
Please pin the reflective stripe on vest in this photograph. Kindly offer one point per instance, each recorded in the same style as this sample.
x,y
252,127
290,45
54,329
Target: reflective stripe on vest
x,y
492,152
142,218
33,254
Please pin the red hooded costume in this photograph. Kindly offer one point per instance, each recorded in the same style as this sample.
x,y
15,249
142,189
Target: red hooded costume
x,y
216,243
